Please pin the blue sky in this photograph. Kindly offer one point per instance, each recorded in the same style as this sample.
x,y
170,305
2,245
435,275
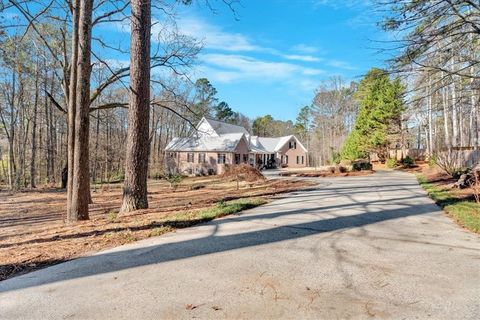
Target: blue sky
x,y
269,57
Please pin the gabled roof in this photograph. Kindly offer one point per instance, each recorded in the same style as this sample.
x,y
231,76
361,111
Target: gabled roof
x,y
202,142
213,135
271,145
215,127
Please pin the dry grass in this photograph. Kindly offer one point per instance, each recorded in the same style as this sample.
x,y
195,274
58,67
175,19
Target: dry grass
x,y
34,235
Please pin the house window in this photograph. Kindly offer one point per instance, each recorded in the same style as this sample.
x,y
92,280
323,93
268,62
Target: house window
x,y
292,144
298,159
221,158
303,159
237,158
201,158
285,159
189,157
245,158
173,155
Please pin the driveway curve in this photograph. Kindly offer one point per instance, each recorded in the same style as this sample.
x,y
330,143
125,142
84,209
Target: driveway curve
x,y
357,247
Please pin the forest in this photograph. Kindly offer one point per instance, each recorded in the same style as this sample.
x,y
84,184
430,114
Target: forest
x,y
426,99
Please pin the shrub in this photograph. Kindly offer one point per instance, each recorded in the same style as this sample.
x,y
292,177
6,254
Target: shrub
x,y
408,161
360,165
174,180
336,157
448,162
112,216
391,163
351,149
342,169
119,177
156,173
331,169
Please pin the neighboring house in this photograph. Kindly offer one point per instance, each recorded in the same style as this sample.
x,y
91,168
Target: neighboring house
x,y
215,144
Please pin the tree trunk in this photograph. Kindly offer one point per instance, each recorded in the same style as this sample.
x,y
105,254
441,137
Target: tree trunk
x,y
72,85
454,112
446,116
81,175
33,172
95,159
136,162
430,128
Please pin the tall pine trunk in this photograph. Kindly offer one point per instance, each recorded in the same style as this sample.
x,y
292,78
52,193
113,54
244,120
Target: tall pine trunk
x,y
80,196
72,86
33,172
136,162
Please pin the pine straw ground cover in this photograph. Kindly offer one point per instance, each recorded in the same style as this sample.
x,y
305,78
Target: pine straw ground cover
x,y
33,235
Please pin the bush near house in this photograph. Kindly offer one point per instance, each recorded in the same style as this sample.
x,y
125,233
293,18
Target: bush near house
x,y
360,165
408,162
391,163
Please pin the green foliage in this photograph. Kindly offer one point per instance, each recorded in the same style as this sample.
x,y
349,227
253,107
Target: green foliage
x,y
267,126
160,230
262,125
174,179
205,98
303,122
112,216
391,163
224,208
408,162
467,213
119,177
379,117
361,165
352,149
336,157
223,112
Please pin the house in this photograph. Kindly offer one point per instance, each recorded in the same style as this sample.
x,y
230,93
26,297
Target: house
x,y
215,144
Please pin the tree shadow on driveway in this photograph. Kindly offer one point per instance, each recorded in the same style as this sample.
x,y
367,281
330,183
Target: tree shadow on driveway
x,y
212,243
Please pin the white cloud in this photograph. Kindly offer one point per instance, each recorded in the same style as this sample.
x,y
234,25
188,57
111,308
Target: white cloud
x,y
350,4
304,48
231,67
306,58
341,65
213,37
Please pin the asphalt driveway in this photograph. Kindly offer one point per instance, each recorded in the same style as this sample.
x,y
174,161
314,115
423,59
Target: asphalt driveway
x,y
358,247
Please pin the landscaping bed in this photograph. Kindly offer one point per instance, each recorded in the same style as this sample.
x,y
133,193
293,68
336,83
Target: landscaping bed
x,y
314,174
33,234
459,204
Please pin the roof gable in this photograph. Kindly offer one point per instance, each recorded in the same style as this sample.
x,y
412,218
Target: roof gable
x,y
217,128
224,143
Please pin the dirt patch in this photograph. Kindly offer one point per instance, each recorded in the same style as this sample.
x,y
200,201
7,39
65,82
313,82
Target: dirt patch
x,y
243,172
33,234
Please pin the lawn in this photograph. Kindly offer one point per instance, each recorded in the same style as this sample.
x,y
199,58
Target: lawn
x,y
460,207
33,234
